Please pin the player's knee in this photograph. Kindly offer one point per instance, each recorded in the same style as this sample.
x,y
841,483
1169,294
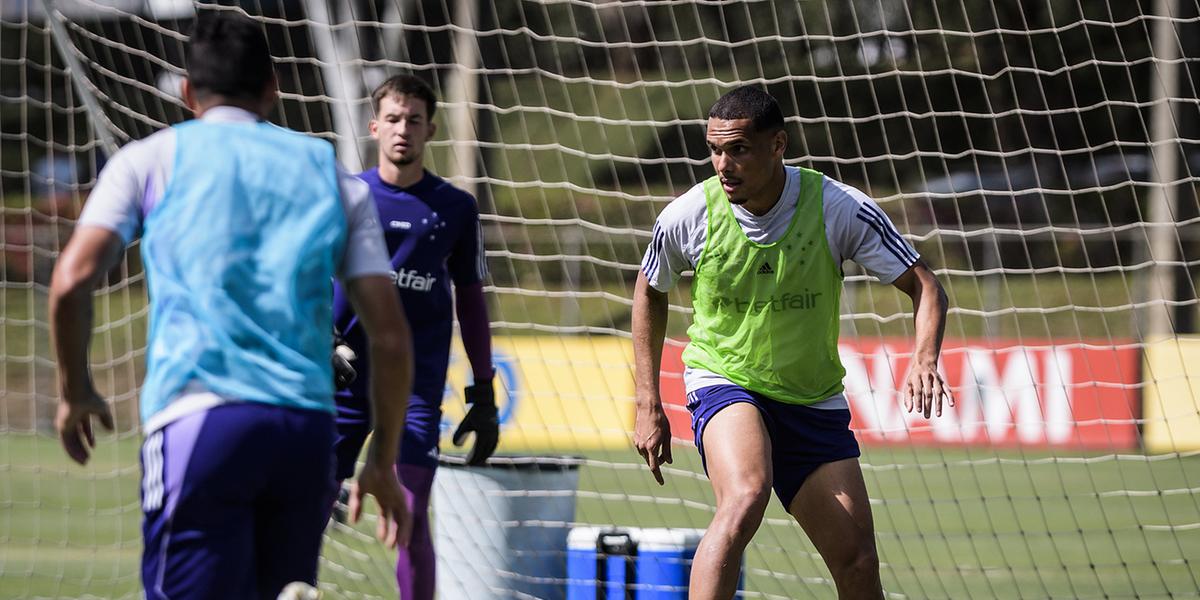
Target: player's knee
x,y
745,506
751,496
860,563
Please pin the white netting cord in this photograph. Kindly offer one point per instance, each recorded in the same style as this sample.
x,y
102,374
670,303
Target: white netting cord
x,y
1014,145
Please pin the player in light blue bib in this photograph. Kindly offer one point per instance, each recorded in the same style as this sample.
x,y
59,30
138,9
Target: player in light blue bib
x,y
243,226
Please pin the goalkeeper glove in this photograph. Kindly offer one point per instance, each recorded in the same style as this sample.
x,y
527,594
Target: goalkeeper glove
x,y
482,419
344,373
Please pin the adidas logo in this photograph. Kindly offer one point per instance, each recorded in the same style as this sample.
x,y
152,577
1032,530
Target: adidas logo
x,y
766,269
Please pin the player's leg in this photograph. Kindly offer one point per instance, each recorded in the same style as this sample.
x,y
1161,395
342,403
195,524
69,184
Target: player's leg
x,y
833,508
819,472
735,444
291,513
353,427
416,565
200,476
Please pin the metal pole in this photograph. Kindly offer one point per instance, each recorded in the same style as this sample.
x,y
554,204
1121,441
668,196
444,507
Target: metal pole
x,y
96,114
393,37
1161,234
463,91
335,75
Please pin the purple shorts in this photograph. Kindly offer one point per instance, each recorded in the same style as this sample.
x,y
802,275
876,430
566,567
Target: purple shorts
x,y
235,500
418,445
802,438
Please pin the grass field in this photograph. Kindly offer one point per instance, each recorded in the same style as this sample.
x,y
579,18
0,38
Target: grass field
x,y
961,524
975,523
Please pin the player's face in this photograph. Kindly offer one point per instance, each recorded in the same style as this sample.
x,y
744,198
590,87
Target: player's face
x,y
746,160
401,128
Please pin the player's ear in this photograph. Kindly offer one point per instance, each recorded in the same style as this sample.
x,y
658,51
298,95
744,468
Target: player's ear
x,y
270,94
432,129
373,128
780,142
188,93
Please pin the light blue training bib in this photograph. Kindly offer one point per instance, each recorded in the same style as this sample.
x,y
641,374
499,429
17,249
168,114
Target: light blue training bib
x,y
239,255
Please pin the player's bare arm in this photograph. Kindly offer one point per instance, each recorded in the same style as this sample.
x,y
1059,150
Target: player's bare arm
x,y
923,389
651,430
87,258
389,343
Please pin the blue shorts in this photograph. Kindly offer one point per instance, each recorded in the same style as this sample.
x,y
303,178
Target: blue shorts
x,y
235,500
418,445
802,438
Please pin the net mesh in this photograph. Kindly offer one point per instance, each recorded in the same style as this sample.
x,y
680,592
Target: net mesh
x,y
1041,157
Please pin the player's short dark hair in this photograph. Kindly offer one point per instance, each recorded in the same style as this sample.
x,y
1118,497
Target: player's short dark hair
x,y
405,85
228,56
749,102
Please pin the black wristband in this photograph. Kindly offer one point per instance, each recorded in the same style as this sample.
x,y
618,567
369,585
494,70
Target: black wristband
x,y
480,392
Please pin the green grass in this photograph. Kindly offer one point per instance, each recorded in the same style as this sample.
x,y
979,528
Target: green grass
x,y
951,524
27,369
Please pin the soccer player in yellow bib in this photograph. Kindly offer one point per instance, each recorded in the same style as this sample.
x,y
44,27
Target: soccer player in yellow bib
x,y
763,378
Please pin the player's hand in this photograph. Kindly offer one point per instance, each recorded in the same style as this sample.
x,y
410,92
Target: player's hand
x,y
74,423
395,519
652,437
342,358
482,419
924,390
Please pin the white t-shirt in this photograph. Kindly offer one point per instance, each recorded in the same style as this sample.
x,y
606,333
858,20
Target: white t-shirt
x,y
855,228
135,178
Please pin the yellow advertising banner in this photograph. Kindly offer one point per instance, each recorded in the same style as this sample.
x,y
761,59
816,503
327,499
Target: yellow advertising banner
x,y
553,392
1171,401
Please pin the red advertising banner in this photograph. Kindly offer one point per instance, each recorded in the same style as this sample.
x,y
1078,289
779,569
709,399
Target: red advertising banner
x,y
1041,393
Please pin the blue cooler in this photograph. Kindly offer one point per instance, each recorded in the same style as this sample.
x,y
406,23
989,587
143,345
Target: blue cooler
x,y
630,563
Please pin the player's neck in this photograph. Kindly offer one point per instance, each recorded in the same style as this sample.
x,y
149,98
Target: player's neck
x,y
401,175
763,203
217,101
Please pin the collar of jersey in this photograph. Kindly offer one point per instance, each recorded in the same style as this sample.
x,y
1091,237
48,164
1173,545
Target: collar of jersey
x,y
229,114
426,178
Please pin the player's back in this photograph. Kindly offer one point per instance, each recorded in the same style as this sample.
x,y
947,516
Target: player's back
x,y
240,252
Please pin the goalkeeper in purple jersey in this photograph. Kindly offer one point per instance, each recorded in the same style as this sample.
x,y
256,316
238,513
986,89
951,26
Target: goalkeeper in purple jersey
x,y
433,235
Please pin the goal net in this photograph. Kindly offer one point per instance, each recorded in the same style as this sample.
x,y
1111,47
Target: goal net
x,y
1040,156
